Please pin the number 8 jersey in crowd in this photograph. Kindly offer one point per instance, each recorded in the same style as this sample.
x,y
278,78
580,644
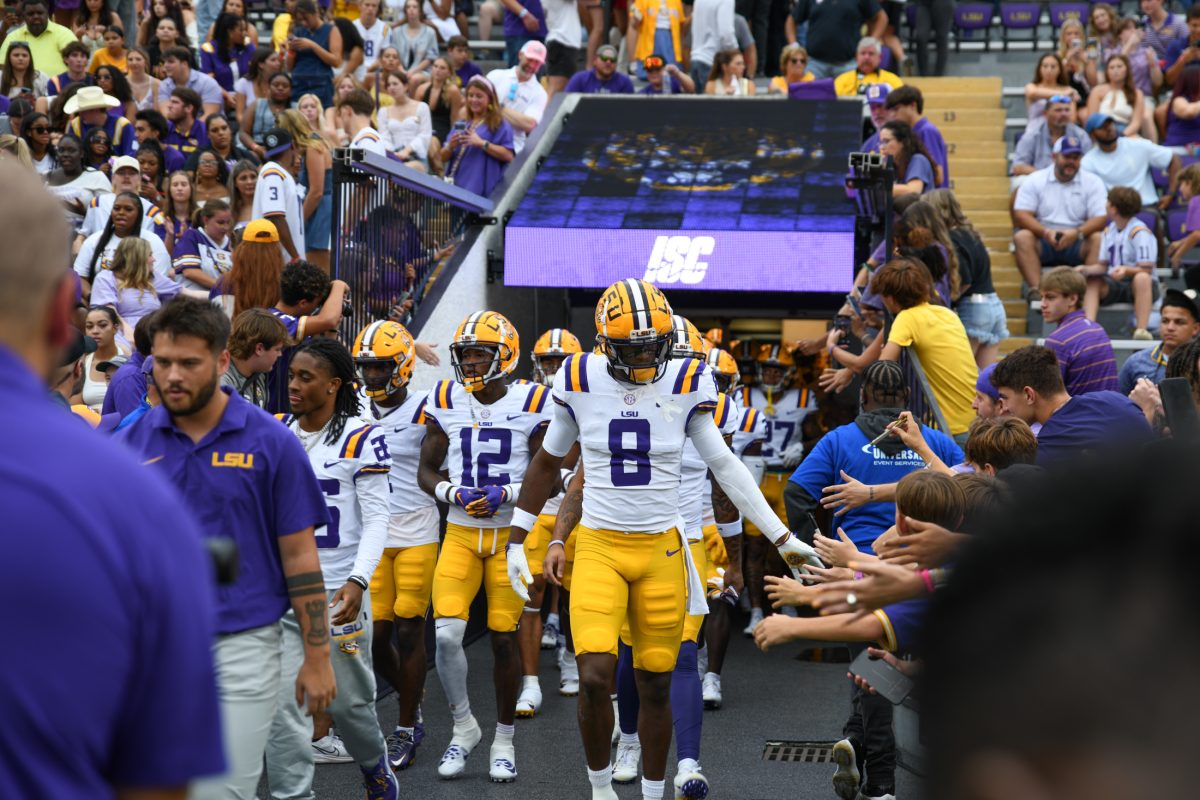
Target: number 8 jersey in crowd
x,y
353,474
488,444
632,439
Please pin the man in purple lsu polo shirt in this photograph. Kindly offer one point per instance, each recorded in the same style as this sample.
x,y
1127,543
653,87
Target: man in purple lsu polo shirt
x,y
247,477
107,681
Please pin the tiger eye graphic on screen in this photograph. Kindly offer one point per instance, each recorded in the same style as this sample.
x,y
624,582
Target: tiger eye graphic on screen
x,y
750,165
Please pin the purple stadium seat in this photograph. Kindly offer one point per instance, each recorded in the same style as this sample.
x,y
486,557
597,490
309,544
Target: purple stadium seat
x,y
1176,224
969,17
1061,12
1020,17
1159,176
813,90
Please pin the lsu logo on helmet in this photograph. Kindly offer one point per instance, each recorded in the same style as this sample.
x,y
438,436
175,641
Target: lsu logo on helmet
x,y
381,345
633,330
489,331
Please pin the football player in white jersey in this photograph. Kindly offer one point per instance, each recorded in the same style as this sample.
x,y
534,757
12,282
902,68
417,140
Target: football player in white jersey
x,y
484,432
784,408
402,585
748,438
375,33
351,461
687,706
631,411
551,348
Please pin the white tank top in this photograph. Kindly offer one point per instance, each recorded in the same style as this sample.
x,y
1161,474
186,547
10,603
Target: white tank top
x,y
93,391
1116,105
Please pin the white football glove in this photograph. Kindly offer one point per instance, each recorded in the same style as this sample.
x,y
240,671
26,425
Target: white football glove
x,y
793,454
518,570
796,554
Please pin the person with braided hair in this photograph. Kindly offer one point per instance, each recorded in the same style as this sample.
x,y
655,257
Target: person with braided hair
x,y
853,450
351,461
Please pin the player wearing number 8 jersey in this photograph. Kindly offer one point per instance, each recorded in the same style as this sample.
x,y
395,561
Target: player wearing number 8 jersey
x,y
351,461
631,410
484,431
400,589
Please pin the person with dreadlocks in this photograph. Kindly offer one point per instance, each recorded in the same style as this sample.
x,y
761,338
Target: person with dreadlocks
x,y
351,462
858,450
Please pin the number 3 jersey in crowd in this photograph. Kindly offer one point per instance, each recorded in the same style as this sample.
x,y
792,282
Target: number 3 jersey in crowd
x,y
631,438
783,413
353,474
489,444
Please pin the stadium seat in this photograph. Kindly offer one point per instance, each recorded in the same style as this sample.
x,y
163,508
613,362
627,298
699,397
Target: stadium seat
x,y
1061,12
970,17
1019,17
813,90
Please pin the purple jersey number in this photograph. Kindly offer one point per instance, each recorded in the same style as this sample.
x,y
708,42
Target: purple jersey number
x,y
332,536
503,436
623,456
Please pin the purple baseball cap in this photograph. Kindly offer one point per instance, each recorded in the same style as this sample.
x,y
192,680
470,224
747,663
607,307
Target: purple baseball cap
x,y
983,384
1068,146
877,93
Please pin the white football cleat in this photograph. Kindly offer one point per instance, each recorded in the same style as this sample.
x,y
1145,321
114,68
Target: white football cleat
x,y
464,740
568,682
690,783
504,764
625,766
846,779
530,701
712,690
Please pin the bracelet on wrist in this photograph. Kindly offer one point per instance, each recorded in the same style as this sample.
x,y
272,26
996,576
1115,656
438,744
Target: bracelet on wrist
x,y
558,542
358,581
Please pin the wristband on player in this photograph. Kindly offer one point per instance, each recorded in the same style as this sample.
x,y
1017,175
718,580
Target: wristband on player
x,y
558,542
523,519
359,581
728,530
444,491
511,492
524,13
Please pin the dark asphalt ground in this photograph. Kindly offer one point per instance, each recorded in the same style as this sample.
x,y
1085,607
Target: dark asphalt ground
x,y
767,697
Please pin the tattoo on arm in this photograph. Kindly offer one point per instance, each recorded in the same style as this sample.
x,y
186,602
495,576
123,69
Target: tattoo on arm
x,y
305,583
317,634
570,512
733,549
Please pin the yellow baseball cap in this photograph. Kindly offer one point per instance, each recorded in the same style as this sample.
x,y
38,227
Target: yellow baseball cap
x,y
260,230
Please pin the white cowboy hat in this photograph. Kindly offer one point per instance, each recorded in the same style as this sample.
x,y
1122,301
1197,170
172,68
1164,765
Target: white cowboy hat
x,y
89,98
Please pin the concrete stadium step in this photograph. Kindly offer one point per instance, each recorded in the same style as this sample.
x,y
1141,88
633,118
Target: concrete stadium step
x,y
966,167
1014,342
1007,289
1015,308
1016,327
970,186
996,243
958,145
937,100
992,86
970,118
988,219
1002,259
967,135
981,202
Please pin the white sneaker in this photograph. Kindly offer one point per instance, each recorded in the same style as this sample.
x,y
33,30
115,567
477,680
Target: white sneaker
x,y
690,783
549,636
568,682
625,766
756,616
846,779
504,764
530,701
330,749
454,760
712,690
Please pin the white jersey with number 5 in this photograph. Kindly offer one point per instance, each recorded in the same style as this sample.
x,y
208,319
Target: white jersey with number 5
x,y
784,413
632,438
489,444
353,474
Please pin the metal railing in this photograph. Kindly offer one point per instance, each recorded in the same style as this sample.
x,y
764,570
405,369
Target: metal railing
x,y
921,400
394,231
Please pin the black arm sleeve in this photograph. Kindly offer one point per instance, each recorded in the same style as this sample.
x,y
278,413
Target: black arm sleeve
x,y
800,508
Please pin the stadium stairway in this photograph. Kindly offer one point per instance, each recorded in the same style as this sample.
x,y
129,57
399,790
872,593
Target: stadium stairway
x,y
970,114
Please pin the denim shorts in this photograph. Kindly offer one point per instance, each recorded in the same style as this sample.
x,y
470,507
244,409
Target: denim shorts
x,y
319,226
984,318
